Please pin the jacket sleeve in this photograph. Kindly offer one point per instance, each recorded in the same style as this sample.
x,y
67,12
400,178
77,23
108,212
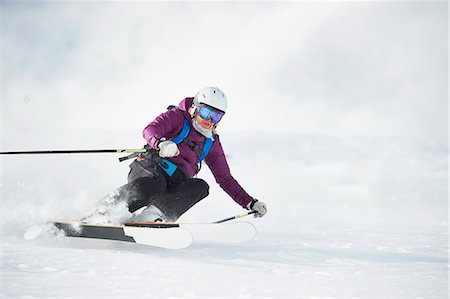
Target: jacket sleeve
x,y
218,164
166,125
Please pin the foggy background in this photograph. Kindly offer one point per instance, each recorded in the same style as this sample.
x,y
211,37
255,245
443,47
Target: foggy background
x,y
337,106
337,120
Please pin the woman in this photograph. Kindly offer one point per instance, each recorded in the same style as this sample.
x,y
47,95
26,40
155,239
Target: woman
x,y
162,180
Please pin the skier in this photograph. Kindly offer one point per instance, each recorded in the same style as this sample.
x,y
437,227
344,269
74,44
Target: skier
x,y
163,179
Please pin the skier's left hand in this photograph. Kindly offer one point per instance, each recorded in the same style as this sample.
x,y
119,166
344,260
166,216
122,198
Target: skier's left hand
x,y
259,207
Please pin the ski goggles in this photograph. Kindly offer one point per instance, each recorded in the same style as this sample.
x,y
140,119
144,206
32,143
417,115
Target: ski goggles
x,y
208,112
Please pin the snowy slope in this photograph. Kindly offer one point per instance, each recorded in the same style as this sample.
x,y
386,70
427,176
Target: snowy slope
x,y
297,264
347,218
357,208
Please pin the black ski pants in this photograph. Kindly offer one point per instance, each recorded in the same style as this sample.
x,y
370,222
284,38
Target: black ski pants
x,y
148,185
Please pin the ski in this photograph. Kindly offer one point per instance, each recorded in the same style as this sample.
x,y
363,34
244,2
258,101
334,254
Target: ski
x,y
161,234
165,236
229,232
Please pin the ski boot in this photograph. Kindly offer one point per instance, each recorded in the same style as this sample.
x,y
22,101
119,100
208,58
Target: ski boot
x,y
149,214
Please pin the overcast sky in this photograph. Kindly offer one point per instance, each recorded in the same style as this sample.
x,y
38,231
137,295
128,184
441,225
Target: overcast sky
x,y
328,68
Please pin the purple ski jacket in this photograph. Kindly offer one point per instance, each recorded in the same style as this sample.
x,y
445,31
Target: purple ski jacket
x,y
169,125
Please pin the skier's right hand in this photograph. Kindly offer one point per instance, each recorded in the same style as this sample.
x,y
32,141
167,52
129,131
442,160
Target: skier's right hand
x,y
168,149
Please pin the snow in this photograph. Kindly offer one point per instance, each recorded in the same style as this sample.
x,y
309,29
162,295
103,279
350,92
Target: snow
x,y
337,120
338,236
298,264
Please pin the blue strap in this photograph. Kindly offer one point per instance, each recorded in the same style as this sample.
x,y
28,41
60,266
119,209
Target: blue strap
x,y
206,147
168,167
184,133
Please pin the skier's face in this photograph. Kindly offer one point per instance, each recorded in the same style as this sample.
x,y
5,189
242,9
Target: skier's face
x,y
206,123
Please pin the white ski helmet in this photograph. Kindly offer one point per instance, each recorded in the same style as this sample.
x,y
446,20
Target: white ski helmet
x,y
212,96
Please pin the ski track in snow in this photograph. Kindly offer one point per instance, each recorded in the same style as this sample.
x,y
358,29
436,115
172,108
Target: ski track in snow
x,y
302,264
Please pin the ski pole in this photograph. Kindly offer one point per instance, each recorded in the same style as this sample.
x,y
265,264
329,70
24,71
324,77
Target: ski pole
x,y
140,150
236,217
134,152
